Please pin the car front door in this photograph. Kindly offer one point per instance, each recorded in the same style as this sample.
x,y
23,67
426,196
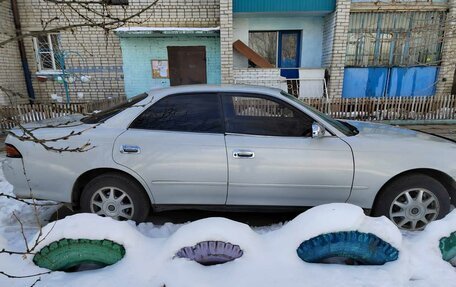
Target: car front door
x,y
274,161
177,146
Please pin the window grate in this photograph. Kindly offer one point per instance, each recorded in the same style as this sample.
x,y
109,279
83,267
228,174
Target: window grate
x,y
48,52
395,39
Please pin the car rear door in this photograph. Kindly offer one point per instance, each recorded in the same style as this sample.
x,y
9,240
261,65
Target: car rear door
x,y
177,146
273,160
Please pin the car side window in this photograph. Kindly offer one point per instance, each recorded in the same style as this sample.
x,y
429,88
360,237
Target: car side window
x,y
260,115
185,112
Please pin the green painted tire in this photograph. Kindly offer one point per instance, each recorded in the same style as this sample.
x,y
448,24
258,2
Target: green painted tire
x,y
448,248
67,253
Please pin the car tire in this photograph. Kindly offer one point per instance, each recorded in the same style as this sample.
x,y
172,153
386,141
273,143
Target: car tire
x,y
352,246
117,196
412,201
67,254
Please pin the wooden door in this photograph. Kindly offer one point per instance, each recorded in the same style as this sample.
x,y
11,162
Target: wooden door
x,y
187,65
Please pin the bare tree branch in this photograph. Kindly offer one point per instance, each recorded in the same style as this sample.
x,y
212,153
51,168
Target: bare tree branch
x,y
23,276
114,22
27,202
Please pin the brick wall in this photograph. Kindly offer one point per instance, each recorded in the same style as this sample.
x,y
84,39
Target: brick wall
x,y
448,66
226,40
261,77
328,38
98,55
336,68
11,73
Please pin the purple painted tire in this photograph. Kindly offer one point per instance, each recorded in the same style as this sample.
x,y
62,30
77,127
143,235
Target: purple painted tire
x,y
211,252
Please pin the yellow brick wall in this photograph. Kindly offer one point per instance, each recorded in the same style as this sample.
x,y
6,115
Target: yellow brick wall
x,y
97,54
11,75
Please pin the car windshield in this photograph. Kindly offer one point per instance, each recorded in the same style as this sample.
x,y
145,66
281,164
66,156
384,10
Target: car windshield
x,y
108,113
342,126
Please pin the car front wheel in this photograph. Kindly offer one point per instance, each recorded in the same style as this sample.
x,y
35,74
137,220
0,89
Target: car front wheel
x,y
411,202
117,196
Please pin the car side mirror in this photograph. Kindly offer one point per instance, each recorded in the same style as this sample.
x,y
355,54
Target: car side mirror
x,y
318,130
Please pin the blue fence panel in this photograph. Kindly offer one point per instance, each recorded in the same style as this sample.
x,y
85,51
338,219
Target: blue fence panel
x,y
364,82
412,81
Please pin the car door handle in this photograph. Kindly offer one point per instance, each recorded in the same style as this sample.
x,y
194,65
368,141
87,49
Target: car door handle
x,y
129,149
239,153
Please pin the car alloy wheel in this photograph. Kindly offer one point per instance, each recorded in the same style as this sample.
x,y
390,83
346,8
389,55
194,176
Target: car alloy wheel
x,y
112,202
412,201
115,195
414,208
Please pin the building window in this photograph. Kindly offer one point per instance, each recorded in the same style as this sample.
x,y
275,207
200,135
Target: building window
x,y
47,48
280,48
395,39
265,44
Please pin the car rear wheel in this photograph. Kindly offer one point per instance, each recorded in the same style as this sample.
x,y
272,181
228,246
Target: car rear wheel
x,y
411,202
117,196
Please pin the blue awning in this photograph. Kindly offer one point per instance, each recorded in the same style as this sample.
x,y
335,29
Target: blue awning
x,y
268,6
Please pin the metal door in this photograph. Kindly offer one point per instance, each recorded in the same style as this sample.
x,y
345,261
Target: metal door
x,y
187,65
289,53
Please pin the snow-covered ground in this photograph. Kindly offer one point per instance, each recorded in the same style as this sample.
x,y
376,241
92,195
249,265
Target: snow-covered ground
x,y
269,257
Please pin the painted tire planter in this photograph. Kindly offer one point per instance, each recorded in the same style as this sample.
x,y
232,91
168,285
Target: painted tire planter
x,y
211,252
448,248
65,254
356,247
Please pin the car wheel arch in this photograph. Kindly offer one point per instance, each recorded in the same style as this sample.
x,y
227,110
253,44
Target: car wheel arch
x,y
87,176
446,180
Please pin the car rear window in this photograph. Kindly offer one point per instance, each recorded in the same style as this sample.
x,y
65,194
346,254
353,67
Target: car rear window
x,y
102,116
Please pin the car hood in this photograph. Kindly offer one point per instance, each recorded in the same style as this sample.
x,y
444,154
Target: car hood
x,y
367,129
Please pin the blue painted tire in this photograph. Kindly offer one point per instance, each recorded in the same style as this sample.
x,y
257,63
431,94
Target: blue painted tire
x,y
211,252
362,248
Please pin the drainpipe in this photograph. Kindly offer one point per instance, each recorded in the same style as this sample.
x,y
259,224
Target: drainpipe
x,y
20,43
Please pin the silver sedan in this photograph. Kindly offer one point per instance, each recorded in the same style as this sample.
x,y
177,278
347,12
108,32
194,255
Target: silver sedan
x,y
230,148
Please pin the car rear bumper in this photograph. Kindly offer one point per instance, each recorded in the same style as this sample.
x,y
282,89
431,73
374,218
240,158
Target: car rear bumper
x,y
13,170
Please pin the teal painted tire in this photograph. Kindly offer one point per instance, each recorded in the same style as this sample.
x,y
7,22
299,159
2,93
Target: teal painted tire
x,y
65,254
353,246
448,248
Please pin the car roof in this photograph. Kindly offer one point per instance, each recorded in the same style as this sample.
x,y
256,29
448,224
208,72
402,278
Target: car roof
x,y
162,92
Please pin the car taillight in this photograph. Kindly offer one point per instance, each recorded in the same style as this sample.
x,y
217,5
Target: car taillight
x,y
11,151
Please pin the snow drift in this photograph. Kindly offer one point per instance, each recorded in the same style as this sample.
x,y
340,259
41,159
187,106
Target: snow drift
x,y
269,257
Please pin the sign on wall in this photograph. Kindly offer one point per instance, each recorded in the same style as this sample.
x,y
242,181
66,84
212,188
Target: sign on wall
x,y
160,69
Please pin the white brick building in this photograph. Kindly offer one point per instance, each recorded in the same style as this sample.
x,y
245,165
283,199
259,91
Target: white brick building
x,y
304,39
